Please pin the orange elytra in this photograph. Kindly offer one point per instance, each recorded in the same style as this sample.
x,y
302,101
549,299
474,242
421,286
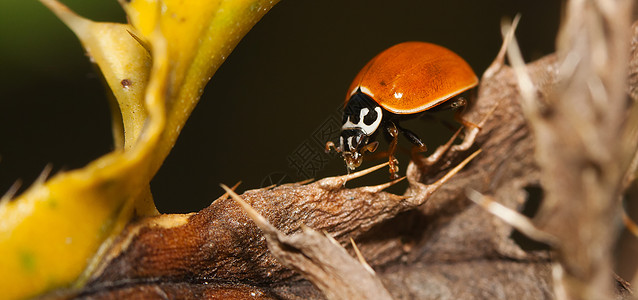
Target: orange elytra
x,y
400,83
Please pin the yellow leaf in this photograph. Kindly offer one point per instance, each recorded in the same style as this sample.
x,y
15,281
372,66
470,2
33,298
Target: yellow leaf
x,y
124,62
200,36
157,68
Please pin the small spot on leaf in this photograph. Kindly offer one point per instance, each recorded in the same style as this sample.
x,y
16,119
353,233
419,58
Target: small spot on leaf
x,y
27,261
53,203
126,83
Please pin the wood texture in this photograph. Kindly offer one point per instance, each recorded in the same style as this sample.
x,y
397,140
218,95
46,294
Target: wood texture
x,y
430,243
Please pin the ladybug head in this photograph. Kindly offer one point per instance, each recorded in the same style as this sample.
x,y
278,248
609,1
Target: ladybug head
x,y
362,117
352,144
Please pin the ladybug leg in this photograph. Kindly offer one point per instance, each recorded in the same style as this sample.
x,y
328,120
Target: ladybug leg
x,y
371,147
419,146
332,145
459,104
471,130
392,130
412,137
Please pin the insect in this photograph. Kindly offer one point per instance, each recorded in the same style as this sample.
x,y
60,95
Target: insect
x,y
400,83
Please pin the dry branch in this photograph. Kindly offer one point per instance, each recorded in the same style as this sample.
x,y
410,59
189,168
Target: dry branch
x,y
583,149
424,244
320,259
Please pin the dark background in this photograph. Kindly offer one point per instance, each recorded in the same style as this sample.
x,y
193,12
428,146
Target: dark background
x,y
261,110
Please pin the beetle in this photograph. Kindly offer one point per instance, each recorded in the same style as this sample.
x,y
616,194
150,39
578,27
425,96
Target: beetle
x,y
402,82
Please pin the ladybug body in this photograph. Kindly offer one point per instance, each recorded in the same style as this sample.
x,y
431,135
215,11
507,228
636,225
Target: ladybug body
x,y
400,83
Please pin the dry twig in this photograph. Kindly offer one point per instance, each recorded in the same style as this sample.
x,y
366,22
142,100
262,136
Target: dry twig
x,y
430,244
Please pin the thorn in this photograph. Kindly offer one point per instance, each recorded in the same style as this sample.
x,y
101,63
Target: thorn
x,y
512,217
338,181
268,187
365,172
381,187
329,237
481,124
43,175
499,61
13,189
438,153
558,274
309,180
454,136
436,185
142,42
629,223
362,260
526,87
259,220
225,195
431,188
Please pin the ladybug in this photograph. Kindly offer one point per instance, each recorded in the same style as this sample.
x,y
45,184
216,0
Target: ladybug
x,y
402,82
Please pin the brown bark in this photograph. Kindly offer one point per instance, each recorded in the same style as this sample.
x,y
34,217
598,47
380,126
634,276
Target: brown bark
x,y
432,242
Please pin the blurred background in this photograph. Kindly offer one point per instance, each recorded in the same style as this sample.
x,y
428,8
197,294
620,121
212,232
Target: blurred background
x,y
269,109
